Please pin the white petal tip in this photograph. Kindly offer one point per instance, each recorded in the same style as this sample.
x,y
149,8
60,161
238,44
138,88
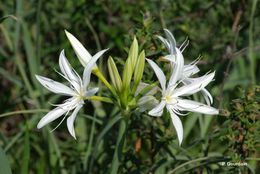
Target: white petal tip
x,y
40,125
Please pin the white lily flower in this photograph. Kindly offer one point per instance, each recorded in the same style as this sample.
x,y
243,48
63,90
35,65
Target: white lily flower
x,y
83,55
172,95
77,91
188,70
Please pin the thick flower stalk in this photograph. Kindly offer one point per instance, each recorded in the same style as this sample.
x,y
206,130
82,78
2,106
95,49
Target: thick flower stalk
x,y
173,96
77,91
187,70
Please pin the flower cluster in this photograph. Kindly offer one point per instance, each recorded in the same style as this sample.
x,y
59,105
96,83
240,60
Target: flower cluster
x,y
127,94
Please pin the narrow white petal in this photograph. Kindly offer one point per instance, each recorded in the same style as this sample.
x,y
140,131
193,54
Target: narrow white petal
x,y
81,52
207,96
99,54
159,73
54,86
158,110
70,103
177,125
171,40
90,65
165,42
71,119
177,68
50,116
189,70
195,86
91,92
171,58
69,72
193,106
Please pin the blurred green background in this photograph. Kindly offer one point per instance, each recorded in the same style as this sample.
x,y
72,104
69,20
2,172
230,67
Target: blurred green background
x,y
226,33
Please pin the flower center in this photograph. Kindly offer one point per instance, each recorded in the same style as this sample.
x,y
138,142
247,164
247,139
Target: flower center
x,y
81,95
170,100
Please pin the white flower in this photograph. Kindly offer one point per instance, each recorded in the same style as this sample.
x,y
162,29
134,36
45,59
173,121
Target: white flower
x,y
188,70
77,91
83,55
172,95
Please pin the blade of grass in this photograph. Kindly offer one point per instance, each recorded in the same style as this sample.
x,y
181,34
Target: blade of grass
x,y
90,144
4,164
55,145
251,42
30,54
23,112
108,126
118,153
2,19
26,152
17,56
10,77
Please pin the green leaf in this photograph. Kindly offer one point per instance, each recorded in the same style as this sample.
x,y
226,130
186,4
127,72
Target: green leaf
x,y
139,70
2,19
26,152
113,73
4,164
30,54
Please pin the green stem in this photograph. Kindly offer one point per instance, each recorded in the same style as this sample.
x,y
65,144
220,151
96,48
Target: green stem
x,y
24,112
194,161
103,79
117,158
99,98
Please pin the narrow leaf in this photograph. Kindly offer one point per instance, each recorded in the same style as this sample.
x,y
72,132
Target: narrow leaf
x,y
26,152
4,164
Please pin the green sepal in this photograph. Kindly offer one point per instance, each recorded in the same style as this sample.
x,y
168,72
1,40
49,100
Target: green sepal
x,y
139,70
114,74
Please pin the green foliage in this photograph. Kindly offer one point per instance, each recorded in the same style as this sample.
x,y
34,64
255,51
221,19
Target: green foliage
x,y
32,35
243,132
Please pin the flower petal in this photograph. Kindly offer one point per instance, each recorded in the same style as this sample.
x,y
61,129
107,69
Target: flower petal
x,y
71,119
195,86
158,110
189,70
91,92
54,86
90,65
81,52
171,40
99,54
159,73
69,72
193,106
207,96
177,69
177,125
50,116
165,42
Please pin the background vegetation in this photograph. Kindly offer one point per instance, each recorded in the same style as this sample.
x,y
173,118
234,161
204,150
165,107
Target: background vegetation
x,y
225,33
